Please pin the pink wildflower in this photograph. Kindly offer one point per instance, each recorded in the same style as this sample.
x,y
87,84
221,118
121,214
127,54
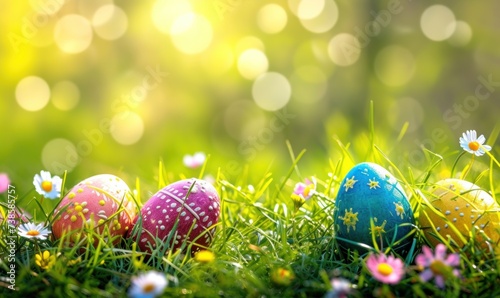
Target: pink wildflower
x,y
4,182
194,161
438,265
386,269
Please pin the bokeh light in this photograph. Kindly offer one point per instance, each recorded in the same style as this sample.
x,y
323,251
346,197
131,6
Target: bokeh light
x,y
65,95
191,33
323,21
127,128
394,65
438,22
271,91
32,93
309,9
73,34
60,155
252,63
272,18
344,49
110,22
165,12
221,71
462,34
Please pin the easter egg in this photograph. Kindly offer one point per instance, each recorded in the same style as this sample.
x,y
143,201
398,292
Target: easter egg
x,y
456,208
182,212
371,209
102,203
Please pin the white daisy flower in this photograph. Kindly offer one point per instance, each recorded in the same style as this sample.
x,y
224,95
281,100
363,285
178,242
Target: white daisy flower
x,y
48,186
30,230
147,285
472,144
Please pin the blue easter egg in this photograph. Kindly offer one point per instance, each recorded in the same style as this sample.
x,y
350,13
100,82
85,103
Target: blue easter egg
x,y
372,206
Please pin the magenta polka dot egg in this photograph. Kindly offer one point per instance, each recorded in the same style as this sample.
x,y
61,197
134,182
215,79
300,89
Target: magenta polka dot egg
x,y
102,203
182,212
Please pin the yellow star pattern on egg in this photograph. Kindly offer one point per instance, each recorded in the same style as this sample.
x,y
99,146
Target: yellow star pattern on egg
x,y
350,183
400,210
350,219
373,183
378,230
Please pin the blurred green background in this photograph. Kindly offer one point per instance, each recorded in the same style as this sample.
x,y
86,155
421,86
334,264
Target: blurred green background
x,y
113,87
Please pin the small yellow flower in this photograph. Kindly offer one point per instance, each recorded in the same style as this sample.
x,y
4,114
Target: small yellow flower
x,y
204,256
45,260
74,262
282,276
303,191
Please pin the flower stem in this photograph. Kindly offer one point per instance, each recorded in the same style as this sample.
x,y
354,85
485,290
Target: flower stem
x,y
467,168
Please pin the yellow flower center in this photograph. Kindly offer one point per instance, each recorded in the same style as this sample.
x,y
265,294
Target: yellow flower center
x,y
384,269
47,186
437,267
474,146
148,288
284,273
308,189
33,233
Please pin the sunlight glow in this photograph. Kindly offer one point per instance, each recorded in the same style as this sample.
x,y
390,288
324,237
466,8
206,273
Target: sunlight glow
x,y
191,33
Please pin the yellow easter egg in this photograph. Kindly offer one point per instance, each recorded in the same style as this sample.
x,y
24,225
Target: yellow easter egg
x,y
458,210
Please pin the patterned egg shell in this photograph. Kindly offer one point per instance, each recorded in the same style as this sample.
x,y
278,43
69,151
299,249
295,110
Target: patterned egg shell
x,y
459,207
371,204
102,202
191,218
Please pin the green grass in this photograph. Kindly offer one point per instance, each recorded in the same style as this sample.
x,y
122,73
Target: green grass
x,y
259,233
